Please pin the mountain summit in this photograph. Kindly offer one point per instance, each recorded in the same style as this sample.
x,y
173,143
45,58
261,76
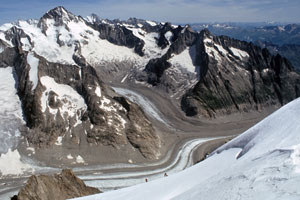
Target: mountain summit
x,y
62,66
59,14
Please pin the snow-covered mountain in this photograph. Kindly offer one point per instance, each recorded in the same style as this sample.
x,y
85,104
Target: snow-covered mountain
x,y
276,37
60,64
54,97
208,75
262,163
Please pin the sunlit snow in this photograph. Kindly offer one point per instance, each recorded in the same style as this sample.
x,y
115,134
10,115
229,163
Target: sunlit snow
x,y
11,164
72,101
151,23
33,72
239,53
10,111
262,163
185,59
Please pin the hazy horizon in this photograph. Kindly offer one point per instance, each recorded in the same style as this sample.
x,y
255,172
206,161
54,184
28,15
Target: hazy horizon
x,y
176,11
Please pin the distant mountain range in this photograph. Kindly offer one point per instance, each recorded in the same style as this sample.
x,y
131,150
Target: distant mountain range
x,y
275,34
61,64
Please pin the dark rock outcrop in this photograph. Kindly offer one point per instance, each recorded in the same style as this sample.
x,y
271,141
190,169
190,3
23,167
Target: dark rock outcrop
x,y
290,51
140,131
119,35
70,101
60,16
232,76
210,76
183,38
58,186
236,83
104,119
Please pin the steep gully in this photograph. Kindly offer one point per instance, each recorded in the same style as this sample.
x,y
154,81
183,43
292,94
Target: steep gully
x,y
179,157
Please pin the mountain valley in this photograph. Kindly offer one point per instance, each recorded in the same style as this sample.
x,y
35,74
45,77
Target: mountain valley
x,y
118,101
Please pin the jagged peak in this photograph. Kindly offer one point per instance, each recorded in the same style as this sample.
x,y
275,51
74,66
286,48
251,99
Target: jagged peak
x,y
59,14
189,28
59,11
205,33
93,18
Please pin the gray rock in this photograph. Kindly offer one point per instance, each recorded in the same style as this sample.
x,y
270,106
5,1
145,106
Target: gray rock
x,y
58,186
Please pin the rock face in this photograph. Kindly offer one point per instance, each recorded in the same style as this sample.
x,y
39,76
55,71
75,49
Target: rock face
x,y
119,36
221,75
61,60
290,51
59,187
65,101
237,76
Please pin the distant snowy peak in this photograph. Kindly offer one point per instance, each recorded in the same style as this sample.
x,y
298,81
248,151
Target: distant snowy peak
x,y
59,32
93,18
61,91
289,28
60,35
59,15
150,53
217,50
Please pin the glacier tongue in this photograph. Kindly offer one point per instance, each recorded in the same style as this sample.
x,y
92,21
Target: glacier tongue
x,y
185,59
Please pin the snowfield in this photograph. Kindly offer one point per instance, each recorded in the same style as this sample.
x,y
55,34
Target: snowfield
x,y
64,93
10,111
185,59
33,73
262,163
59,43
10,120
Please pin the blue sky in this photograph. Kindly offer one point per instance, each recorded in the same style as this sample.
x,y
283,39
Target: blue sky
x,y
177,11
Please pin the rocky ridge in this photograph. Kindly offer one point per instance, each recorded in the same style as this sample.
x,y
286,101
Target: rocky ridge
x,y
228,75
62,53
58,186
65,101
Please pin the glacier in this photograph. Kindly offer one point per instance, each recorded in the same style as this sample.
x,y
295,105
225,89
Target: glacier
x,y
261,163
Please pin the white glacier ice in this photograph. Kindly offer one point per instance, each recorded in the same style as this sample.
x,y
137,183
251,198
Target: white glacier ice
x,y
33,73
10,111
11,163
239,53
185,59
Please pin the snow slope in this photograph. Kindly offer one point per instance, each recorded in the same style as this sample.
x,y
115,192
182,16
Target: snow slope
x,y
73,104
10,121
262,163
10,111
33,73
151,49
60,42
185,59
